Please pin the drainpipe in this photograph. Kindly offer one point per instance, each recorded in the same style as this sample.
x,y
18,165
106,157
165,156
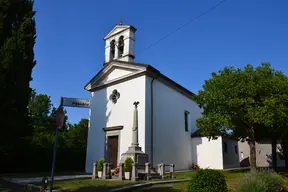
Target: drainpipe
x,y
151,120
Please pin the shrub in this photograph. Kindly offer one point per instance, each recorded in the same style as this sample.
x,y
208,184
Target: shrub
x,y
208,180
261,181
128,164
100,164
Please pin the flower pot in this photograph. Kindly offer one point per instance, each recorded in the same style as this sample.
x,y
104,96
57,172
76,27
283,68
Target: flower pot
x,y
100,174
127,175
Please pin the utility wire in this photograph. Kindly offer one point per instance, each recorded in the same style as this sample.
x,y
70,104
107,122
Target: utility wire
x,y
192,20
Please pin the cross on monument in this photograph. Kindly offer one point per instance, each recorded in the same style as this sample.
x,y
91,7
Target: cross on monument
x,y
136,103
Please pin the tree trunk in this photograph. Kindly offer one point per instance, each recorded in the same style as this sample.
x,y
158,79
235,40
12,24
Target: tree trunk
x,y
274,154
252,145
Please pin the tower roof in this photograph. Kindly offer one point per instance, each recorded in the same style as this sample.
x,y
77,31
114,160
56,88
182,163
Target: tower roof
x,y
118,28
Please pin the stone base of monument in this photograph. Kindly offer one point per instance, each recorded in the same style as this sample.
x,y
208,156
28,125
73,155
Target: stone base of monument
x,y
138,156
140,159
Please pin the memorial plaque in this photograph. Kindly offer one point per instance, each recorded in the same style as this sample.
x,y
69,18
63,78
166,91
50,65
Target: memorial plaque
x,y
142,159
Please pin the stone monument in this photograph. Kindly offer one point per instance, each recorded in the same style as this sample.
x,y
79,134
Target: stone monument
x,y
134,151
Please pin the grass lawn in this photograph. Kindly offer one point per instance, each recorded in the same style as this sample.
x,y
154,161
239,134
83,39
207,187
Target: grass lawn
x,y
87,185
232,178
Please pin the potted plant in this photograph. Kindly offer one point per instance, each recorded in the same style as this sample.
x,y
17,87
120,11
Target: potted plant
x,y
128,167
100,165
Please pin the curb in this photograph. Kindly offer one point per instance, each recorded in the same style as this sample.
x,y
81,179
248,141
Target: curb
x,y
142,185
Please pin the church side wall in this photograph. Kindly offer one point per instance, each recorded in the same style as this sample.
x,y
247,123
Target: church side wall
x,y
171,143
106,114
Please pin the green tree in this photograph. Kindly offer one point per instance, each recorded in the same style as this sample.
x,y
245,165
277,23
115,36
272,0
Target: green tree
x,y
39,109
249,102
17,39
78,133
43,118
76,142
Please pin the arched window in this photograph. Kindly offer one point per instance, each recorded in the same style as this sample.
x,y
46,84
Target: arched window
x,y
120,46
112,49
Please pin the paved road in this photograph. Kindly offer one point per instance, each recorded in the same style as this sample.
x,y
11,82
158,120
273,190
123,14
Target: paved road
x,y
10,186
39,179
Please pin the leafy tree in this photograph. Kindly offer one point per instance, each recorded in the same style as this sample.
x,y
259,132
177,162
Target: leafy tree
x,y
249,102
78,133
72,141
76,142
17,39
39,109
43,118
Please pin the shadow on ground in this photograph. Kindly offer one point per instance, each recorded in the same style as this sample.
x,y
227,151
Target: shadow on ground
x,y
106,189
90,189
7,186
158,189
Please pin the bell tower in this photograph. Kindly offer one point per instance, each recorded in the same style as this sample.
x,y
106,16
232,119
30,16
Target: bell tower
x,y
119,43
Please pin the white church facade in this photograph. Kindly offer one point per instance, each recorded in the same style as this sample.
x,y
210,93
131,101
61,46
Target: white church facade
x,y
166,113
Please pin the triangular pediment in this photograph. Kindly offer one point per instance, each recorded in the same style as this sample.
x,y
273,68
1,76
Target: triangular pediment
x,y
113,73
117,29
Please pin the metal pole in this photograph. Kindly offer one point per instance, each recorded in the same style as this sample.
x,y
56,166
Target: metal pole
x,y
54,152
54,159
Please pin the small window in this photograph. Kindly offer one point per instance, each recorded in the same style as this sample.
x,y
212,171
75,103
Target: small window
x,y
236,149
225,149
114,96
186,115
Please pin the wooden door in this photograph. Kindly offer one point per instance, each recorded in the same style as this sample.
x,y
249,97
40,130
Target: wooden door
x,y
113,150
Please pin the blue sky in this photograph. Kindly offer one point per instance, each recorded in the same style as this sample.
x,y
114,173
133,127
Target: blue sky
x,y
70,48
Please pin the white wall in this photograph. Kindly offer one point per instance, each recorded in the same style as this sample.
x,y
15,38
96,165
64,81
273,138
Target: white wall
x,y
231,156
129,38
106,114
263,154
171,143
207,154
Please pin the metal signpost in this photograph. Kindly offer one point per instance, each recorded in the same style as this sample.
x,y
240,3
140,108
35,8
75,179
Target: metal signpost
x,y
69,102
60,121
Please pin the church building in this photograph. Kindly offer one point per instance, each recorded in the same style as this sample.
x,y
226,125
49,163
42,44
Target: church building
x,y
167,115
